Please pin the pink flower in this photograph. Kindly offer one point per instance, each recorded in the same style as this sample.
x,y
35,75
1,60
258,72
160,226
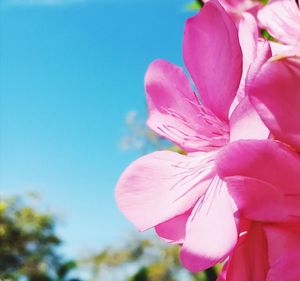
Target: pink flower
x,y
274,91
249,260
236,8
271,173
283,251
181,195
252,47
266,252
263,178
282,19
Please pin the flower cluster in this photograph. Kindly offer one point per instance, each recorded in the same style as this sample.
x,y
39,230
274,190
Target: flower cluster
x,y
234,195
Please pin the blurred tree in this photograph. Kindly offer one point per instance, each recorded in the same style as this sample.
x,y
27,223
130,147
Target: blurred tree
x,y
152,260
138,136
28,243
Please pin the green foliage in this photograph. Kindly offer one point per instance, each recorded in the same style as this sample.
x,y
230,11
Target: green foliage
x,y
141,275
153,260
264,2
265,34
28,243
195,5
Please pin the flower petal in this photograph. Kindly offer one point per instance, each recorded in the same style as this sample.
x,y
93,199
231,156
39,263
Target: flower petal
x,y
175,112
282,239
162,185
284,252
248,37
265,160
287,268
275,94
263,54
173,230
249,193
281,50
245,123
282,19
262,171
213,57
211,230
249,261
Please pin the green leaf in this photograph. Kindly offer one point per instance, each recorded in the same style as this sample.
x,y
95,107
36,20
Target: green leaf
x,y
265,34
264,2
194,6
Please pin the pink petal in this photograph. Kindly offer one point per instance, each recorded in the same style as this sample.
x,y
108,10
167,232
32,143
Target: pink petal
x,y
282,239
255,173
281,50
282,19
286,269
263,54
213,57
275,94
211,230
175,112
284,252
248,36
245,123
249,261
265,160
249,193
173,230
235,8
161,186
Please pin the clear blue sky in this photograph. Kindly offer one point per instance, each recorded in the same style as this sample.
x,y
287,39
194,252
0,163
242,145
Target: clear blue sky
x,y
69,73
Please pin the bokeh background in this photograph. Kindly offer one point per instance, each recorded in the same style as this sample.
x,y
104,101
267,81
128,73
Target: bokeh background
x,y
72,118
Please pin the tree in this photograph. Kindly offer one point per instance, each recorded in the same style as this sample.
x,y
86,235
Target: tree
x,y
28,243
152,260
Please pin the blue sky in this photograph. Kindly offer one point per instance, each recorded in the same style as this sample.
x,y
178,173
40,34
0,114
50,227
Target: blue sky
x,y
70,70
